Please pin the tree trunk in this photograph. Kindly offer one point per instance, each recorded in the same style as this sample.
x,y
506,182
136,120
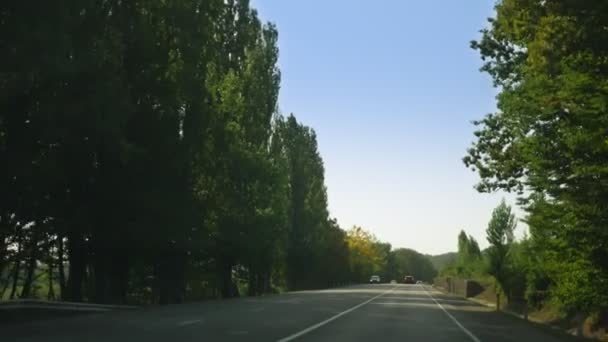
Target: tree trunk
x,y
60,267
4,287
26,290
51,294
497,301
4,260
163,295
226,276
179,277
77,267
121,283
16,268
99,276
264,282
4,263
162,281
119,277
252,283
16,271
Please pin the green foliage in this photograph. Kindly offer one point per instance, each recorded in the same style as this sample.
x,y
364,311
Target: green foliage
x,y
465,263
548,141
519,268
468,260
143,153
441,261
500,236
144,157
316,253
368,256
409,262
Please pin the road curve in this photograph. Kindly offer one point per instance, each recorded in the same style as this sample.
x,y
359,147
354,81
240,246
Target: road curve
x,y
358,313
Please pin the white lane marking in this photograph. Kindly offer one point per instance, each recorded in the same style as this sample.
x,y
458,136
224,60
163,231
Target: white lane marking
x,y
320,324
465,330
413,305
185,323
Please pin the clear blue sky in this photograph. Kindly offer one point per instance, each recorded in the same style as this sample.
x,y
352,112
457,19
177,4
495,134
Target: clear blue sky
x,y
391,87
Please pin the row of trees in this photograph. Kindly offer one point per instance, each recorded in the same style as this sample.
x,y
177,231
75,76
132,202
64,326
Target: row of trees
x,y
505,260
144,159
405,261
547,142
370,256
360,254
511,265
136,143
140,143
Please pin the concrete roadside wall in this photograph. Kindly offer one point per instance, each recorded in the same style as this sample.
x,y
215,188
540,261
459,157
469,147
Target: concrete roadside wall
x,y
461,287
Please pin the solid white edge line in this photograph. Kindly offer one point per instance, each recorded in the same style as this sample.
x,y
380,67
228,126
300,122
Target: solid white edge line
x,y
465,330
320,324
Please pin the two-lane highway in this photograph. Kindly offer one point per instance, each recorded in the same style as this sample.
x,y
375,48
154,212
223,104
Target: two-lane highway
x,y
358,313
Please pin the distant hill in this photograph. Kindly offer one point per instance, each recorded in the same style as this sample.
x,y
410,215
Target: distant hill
x,y
441,260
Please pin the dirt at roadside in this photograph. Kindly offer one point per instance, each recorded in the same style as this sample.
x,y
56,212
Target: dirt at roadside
x,y
24,311
549,314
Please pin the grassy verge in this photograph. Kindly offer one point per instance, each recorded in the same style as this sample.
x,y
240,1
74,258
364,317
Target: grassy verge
x,y
40,286
549,314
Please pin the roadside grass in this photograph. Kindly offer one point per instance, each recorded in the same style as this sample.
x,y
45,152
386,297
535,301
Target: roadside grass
x,y
40,286
550,314
489,290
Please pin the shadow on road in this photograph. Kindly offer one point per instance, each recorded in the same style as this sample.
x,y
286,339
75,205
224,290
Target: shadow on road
x,y
397,312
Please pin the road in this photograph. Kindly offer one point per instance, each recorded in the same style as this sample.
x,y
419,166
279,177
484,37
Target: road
x,y
358,313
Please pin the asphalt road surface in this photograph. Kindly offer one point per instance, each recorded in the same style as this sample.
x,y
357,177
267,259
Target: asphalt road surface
x,y
375,313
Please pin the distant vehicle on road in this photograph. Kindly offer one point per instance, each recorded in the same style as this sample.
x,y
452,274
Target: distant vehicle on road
x,y
408,279
419,282
374,279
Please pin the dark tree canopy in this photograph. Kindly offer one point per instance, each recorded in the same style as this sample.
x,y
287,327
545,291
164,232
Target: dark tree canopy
x,y
144,158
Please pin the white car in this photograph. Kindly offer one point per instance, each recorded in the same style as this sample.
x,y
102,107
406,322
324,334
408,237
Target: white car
x,y
374,279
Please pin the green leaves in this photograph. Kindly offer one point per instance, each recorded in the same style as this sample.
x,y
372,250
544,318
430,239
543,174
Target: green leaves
x,y
548,138
500,236
409,262
468,258
147,140
501,227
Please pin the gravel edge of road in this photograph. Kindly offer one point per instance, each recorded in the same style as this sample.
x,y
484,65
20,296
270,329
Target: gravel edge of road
x,y
552,329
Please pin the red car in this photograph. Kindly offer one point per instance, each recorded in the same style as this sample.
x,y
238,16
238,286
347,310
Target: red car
x,y
409,280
